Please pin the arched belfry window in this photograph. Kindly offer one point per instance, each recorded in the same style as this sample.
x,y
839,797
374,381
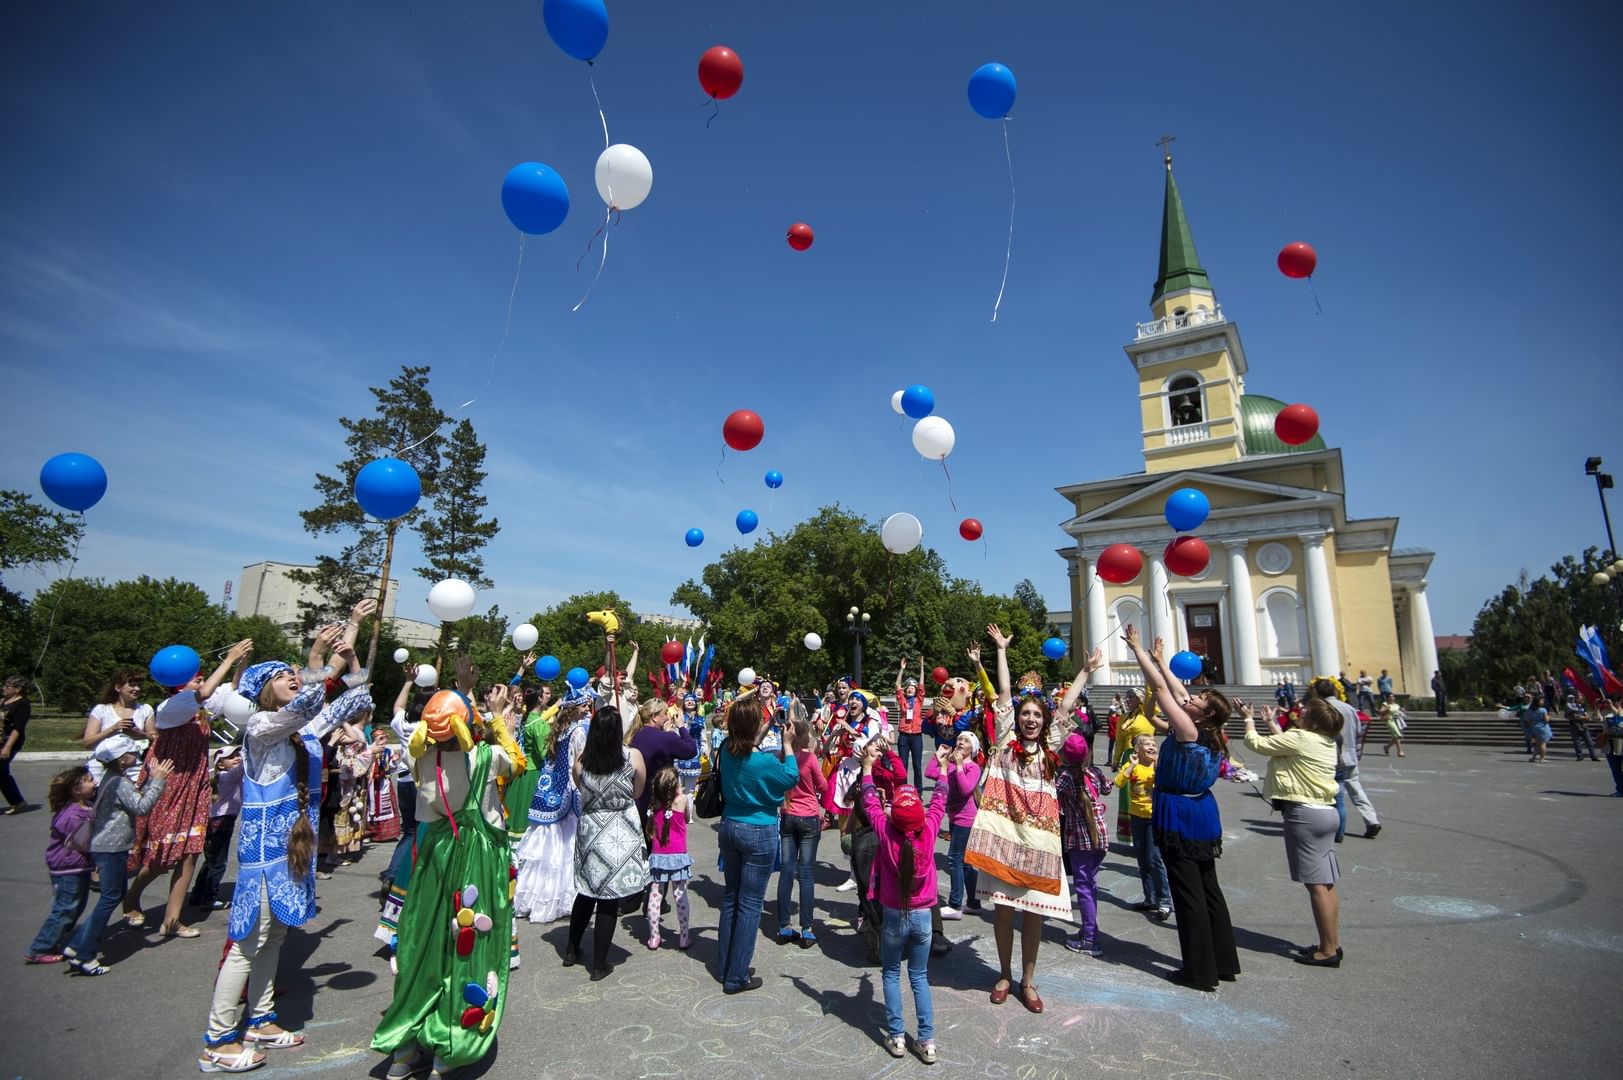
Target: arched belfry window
x,y
1184,406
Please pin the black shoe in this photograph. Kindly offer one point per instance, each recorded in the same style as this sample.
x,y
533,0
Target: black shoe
x,y
1181,978
940,946
571,957
1339,839
1310,960
599,974
1227,978
755,983
1143,905
1372,832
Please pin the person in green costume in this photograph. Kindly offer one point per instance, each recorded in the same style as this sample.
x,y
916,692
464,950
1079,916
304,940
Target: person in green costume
x,y
532,740
456,925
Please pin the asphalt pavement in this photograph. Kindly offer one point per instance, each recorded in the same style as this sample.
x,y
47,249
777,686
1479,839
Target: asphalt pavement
x,y
1483,935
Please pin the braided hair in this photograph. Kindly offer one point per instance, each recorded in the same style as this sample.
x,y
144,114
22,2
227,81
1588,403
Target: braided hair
x,y
301,840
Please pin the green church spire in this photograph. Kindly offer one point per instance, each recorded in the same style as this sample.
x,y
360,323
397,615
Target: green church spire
x,y
1180,266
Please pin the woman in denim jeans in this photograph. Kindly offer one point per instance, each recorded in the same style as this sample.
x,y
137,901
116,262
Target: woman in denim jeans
x,y
960,774
753,786
799,829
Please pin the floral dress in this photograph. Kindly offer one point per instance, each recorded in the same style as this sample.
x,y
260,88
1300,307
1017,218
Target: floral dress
x,y
178,824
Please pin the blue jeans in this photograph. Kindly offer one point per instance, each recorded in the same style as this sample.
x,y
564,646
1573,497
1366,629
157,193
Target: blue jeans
x,y
911,750
110,866
69,894
797,856
961,878
1152,872
746,856
1341,808
907,933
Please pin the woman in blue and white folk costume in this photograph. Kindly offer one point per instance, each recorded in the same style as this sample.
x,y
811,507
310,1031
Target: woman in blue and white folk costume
x,y
688,769
276,884
545,886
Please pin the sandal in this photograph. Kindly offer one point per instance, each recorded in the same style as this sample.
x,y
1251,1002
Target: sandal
x,y
282,1040
169,930
1032,1003
243,1060
135,919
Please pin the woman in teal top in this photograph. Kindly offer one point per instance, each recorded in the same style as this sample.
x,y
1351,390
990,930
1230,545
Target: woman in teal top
x,y
753,785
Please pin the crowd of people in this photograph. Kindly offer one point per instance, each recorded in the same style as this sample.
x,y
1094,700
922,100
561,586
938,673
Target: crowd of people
x,y
499,805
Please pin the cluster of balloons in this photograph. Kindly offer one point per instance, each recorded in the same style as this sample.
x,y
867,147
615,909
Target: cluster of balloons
x,y
743,431
74,482
933,436
1186,511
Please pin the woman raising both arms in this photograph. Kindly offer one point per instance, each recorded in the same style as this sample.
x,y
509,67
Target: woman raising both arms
x,y
1185,821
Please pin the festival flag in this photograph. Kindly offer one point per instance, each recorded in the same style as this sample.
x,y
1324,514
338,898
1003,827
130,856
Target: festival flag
x,y
1582,687
695,658
1592,651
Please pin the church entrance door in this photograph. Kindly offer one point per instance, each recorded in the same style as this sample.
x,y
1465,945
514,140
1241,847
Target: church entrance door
x,y
1203,629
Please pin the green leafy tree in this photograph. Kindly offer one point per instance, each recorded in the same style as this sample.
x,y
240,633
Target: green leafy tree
x,y
1531,626
35,537
404,425
454,535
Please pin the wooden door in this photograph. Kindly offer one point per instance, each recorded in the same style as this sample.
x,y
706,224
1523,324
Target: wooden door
x,y
1203,629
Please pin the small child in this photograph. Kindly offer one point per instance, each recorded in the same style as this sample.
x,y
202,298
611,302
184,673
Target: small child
x,y
903,883
223,811
70,798
1137,774
1083,809
669,863
112,835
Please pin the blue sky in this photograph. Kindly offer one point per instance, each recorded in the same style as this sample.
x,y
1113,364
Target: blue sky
x,y
221,223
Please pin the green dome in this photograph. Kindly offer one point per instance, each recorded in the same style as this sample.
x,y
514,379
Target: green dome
x,y
1257,416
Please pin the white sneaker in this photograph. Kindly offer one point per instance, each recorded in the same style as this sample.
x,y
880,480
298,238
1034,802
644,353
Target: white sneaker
x,y
897,1045
847,885
948,914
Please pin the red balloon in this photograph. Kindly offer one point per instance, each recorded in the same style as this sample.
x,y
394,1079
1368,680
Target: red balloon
x,y
672,652
1120,563
743,430
940,676
1187,556
1296,424
1297,260
800,236
721,72
970,529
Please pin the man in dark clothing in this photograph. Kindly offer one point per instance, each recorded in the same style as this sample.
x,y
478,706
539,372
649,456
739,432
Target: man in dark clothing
x,y
1578,726
1439,690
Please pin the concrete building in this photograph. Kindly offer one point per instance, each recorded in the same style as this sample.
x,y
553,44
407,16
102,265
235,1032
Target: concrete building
x,y
673,622
267,589
1296,585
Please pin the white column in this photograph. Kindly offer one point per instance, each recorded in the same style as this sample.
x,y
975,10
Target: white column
x,y
1159,606
1425,641
1093,588
1243,610
1321,615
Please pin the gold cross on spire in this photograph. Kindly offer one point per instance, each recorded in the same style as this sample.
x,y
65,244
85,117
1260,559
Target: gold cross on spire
x,y
1164,142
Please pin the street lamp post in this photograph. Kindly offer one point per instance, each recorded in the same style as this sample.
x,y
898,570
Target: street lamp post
x,y
1602,482
857,621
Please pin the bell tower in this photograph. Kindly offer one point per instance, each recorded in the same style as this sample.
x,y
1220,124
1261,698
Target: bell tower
x,y
1191,368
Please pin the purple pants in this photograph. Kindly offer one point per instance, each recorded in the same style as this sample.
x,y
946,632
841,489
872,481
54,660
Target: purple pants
x,y
1084,879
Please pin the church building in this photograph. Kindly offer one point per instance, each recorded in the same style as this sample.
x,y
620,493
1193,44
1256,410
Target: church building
x,y
1296,585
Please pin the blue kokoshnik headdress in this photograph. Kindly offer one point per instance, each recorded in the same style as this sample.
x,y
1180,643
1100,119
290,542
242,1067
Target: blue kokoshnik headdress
x,y
253,681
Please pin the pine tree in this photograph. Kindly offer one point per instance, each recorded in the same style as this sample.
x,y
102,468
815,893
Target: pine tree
x,y
453,535
406,426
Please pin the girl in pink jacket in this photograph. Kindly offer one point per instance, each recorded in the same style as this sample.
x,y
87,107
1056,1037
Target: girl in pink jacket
x,y
903,883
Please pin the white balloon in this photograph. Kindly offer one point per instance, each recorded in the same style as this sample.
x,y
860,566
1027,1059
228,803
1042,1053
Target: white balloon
x,y
238,709
934,438
401,656
901,533
427,676
813,642
525,636
896,403
746,677
624,176
451,599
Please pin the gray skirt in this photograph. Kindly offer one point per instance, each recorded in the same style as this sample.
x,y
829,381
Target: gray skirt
x,y
1310,842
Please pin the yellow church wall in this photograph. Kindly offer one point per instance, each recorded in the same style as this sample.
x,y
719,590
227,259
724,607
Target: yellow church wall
x,y
1369,634
1194,456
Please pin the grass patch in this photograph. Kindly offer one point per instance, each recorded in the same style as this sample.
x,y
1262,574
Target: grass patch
x,y
55,731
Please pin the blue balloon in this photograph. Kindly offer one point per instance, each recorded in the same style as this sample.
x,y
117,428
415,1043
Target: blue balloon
x,y
577,677
1187,509
578,27
547,668
1054,648
535,198
991,91
387,488
774,479
1185,665
176,665
918,401
73,481
747,520
695,537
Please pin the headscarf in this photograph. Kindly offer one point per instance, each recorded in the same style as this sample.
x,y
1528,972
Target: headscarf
x,y
346,707
253,681
907,810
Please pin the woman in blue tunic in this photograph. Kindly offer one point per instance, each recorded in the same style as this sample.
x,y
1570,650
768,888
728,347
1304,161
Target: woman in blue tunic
x,y
1184,818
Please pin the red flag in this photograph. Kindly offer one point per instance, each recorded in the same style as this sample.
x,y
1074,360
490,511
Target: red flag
x,y
1582,686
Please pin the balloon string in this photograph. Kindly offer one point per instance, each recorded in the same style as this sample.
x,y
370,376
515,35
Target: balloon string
x,y
592,79
986,549
490,374
949,486
51,623
601,262
716,105
720,460
1318,306
1008,256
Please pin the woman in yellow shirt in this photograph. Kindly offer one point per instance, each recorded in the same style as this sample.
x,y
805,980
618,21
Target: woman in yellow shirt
x,y
1302,786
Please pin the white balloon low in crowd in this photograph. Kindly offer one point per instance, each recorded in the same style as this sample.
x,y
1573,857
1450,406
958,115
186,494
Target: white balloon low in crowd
x,y
427,676
451,599
813,642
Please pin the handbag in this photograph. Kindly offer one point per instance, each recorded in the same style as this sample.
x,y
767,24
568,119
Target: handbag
x,y
707,800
